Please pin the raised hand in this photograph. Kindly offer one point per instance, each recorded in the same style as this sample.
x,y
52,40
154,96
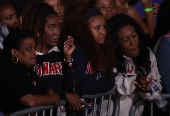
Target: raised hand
x,y
155,9
69,47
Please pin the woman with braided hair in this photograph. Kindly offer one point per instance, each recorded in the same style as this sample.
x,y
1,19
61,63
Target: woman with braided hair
x,y
42,21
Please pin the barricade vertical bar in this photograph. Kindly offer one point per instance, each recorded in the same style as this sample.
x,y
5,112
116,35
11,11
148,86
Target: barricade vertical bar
x,y
169,108
36,114
94,110
101,107
43,112
86,111
51,111
108,108
151,106
57,111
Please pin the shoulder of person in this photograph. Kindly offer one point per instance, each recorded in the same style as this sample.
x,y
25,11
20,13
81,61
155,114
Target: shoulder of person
x,y
132,11
166,39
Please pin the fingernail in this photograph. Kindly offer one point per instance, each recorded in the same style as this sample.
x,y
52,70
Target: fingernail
x,y
89,105
148,80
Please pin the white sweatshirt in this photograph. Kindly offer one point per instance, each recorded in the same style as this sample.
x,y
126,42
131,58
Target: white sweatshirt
x,y
125,85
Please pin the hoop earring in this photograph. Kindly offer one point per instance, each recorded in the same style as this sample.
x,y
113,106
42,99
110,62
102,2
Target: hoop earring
x,y
14,60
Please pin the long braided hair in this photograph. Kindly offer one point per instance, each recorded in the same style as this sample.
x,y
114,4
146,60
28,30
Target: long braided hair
x,y
34,19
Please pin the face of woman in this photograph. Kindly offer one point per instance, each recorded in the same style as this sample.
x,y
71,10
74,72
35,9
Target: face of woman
x,y
58,7
121,6
97,26
8,15
129,41
52,31
26,54
106,7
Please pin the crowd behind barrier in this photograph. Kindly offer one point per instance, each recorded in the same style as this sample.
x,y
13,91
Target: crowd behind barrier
x,y
98,101
112,95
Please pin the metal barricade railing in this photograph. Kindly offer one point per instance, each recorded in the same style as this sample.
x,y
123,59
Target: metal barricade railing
x,y
141,101
38,110
111,95
135,105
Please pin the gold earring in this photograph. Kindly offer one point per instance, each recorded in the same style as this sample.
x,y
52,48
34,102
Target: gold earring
x,y
14,59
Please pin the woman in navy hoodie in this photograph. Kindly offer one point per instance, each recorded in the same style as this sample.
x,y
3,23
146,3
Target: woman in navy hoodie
x,y
94,55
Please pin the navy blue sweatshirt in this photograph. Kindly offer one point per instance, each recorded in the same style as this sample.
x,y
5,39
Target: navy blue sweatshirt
x,y
85,81
49,67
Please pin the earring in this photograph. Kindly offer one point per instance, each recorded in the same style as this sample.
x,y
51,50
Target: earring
x,y
38,34
14,59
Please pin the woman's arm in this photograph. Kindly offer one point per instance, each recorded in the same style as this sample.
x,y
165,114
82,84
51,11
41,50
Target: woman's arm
x,y
149,16
136,16
38,100
149,19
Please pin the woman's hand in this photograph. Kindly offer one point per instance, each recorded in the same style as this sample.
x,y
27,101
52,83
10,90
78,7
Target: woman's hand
x,y
155,9
142,82
69,47
74,101
57,99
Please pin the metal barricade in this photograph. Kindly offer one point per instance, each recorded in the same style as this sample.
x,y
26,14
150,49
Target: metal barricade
x,y
38,110
141,101
111,95
135,105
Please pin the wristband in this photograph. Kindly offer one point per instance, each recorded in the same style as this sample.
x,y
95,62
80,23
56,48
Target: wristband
x,y
70,62
148,9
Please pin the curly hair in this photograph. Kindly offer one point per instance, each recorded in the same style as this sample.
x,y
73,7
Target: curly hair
x,y
34,19
100,56
70,5
143,59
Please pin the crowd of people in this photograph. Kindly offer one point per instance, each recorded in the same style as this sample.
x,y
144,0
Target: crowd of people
x,y
52,50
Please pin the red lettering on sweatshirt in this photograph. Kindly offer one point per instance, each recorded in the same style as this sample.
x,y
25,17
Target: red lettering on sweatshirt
x,y
89,68
48,68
